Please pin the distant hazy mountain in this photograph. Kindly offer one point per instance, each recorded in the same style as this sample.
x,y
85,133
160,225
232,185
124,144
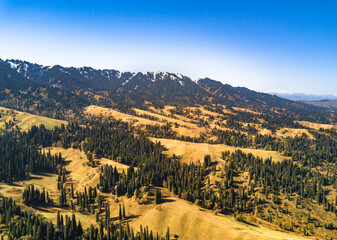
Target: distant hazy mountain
x,y
302,96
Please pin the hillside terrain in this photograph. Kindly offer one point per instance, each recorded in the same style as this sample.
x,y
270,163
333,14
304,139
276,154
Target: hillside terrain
x,y
103,154
327,103
12,119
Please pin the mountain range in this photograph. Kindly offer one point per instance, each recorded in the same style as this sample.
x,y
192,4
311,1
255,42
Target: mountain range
x,y
303,96
34,87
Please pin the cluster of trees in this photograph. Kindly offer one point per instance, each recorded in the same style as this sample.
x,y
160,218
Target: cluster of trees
x,y
26,224
21,223
271,121
274,121
61,185
186,181
45,101
32,195
19,158
189,181
285,176
87,199
161,131
309,152
112,139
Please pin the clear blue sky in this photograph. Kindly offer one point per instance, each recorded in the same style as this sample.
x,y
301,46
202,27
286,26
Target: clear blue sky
x,y
264,45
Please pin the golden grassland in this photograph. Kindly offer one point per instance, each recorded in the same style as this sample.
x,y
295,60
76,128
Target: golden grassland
x,y
246,110
293,132
137,121
188,221
25,121
49,182
185,128
185,220
187,125
317,126
79,173
195,152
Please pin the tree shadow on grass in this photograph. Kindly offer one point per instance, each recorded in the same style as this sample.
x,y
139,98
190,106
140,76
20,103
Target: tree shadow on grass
x,y
167,200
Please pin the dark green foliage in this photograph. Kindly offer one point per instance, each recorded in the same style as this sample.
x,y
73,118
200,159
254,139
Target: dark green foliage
x,y
87,199
207,161
32,195
21,223
18,157
157,196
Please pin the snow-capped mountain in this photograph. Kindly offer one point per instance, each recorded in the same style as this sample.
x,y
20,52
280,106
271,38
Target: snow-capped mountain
x,y
27,69
87,77
136,88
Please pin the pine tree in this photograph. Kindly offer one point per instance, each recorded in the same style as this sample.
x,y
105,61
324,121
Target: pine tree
x,y
120,215
123,213
58,219
39,234
157,196
168,234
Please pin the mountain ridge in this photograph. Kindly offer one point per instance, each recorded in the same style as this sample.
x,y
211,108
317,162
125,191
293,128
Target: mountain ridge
x,y
123,90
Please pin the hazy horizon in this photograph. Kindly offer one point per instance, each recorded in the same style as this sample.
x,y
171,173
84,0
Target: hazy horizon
x,y
264,46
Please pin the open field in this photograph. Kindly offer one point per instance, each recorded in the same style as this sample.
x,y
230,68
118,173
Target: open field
x,y
25,121
317,126
185,127
136,121
49,182
246,110
195,152
80,174
293,132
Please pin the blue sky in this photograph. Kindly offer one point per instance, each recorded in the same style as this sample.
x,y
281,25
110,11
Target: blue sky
x,y
263,45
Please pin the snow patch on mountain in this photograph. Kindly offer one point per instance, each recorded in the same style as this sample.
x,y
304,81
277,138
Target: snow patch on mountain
x,y
13,64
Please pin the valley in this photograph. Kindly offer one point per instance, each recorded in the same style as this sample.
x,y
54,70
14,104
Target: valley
x,y
159,156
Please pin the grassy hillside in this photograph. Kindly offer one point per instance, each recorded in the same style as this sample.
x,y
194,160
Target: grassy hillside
x,y
24,121
186,220
195,152
278,216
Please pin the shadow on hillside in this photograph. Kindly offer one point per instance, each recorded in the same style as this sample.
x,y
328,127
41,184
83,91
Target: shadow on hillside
x,y
38,174
167,200
127,219
40,208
